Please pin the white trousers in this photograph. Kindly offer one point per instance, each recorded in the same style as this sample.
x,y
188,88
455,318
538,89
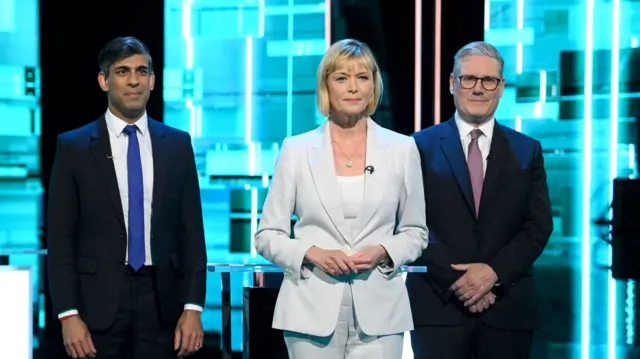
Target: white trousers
x,y
347,341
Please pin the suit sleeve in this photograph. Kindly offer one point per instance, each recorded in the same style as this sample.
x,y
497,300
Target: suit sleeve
x,y
518,255
411,234
193,241
273,238
438,257
62,214
440,274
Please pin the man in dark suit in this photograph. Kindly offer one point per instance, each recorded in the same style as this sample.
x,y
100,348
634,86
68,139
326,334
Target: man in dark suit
x,y
489,218
127,260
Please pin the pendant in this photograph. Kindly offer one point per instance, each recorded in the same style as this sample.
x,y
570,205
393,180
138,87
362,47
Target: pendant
x,y
349,163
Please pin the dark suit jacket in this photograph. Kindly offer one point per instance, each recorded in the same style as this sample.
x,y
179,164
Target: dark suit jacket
x,y
87,236
512,228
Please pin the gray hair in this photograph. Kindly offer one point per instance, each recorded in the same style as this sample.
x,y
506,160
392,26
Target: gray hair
x,y
477,48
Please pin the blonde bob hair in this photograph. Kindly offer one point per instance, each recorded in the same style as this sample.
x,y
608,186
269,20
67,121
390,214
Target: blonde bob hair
x,y
336,56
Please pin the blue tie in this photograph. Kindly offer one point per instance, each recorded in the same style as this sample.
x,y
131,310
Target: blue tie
x,y
136,200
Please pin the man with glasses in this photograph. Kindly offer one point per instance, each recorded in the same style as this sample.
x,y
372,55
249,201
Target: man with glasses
x,y
489,219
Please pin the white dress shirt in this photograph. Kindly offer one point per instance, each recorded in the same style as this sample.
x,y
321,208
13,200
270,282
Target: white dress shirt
x,y
119,147
484,141
351,194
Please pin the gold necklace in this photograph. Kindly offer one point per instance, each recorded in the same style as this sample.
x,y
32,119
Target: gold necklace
x,y
349,163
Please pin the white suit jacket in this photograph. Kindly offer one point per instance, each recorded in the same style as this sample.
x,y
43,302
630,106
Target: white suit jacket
x,y
392,215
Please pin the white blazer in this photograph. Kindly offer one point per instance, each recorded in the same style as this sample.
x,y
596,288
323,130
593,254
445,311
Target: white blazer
x,y
392,215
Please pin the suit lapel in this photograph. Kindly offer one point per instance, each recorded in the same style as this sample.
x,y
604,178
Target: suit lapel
x,y
451,146
159,149
320,158
376,182
498,156
101,149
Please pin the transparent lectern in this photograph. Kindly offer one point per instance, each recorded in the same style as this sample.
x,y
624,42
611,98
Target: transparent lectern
x,y
257,317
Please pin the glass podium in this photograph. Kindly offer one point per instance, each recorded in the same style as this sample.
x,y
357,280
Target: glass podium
x,y
266,278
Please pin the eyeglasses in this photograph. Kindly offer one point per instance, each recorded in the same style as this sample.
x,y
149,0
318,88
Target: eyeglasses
x,y
489,83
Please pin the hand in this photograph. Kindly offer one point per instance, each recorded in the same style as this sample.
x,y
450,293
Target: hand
x,y
331,261
189,335
477,281
369,257
484,303
77,339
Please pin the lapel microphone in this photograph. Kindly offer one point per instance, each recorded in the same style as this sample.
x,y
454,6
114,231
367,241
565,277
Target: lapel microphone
x,y
369,169
108,156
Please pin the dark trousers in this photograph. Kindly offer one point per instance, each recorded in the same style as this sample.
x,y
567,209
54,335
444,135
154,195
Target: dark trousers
x,y
473,339
137,332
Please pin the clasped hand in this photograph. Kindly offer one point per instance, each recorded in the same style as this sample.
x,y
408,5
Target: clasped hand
x,y
337,262
474,287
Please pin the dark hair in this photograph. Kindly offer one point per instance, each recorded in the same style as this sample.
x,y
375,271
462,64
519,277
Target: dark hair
x,y
121,48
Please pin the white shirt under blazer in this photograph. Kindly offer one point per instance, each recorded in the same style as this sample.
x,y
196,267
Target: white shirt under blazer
x,y
392,215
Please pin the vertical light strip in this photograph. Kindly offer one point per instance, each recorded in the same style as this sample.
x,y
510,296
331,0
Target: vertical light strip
x,y
543,86
261,19
632,159
188,40
585,328
290,70
437,62
327,23
254,218
542,98
193,131
186,33
417,82
248,84
487,15
518,125
248,106
520,46
612,308
630,313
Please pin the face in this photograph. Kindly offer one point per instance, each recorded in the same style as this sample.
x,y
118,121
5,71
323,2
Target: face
x,y
128,86
350,89
476,105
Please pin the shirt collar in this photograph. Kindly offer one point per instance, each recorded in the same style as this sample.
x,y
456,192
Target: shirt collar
x,y
117,125
465,129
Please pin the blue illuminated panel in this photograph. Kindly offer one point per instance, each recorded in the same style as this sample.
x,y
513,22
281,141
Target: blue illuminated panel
x,y
571,84
20,183
239,77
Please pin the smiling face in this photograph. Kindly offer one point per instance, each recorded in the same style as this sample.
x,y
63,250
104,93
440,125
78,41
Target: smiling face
x,y
350,89
476,105
128,85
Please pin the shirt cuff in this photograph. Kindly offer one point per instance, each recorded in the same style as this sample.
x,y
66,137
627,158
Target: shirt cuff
x,y
195,307
68,313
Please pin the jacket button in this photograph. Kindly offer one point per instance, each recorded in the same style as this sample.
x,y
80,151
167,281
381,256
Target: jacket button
x,y
123,236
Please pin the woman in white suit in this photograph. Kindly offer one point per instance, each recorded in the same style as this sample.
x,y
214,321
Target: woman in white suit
x,y
356,189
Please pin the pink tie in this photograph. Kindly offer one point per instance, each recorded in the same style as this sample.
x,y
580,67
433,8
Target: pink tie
x,y
476,167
